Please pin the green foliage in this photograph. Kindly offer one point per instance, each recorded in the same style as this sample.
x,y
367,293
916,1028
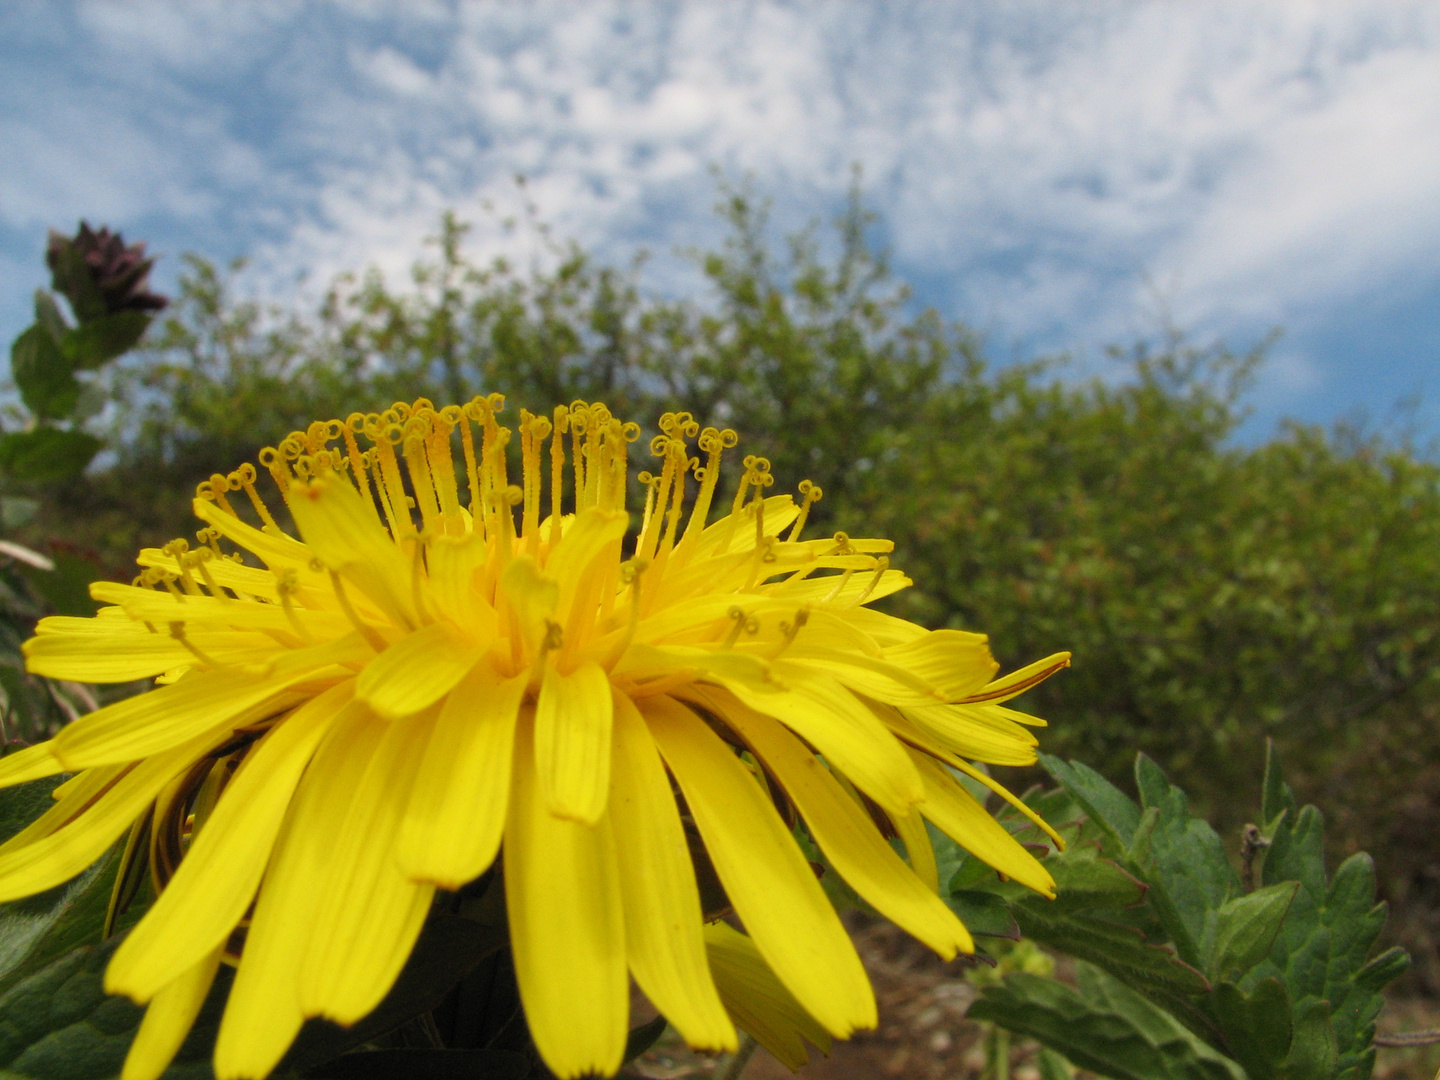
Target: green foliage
x,y
1182,973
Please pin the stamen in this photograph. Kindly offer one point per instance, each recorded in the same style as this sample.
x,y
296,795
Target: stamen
x,y
467,443
354,424
742,622
215,490
287,583
715,443
168,580
244,477
368,632
177,631
840,584
177,550
882,563
271,458
417,429
198,560
811,495
631,572
791,630
417,577
557,471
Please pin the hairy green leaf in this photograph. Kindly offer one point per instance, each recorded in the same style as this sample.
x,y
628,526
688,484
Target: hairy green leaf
x,y
1108,806
1239,934
42,374
46,454
1256,1027
1103,1026
92,343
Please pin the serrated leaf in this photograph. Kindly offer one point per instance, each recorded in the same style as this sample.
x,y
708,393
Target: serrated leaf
x,y
1324,942
95,341
1240,933
1256,1027
59,1024
1103,1026
1108,806
984,913
1085,880
1153,970
1276,797
46,454
42,374
1181,858
1314,1054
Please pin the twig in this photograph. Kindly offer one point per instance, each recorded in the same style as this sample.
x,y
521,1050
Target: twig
x,y
736,1065
1409,1038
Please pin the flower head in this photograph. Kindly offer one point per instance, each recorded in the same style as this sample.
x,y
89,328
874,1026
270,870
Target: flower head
x,y
443,671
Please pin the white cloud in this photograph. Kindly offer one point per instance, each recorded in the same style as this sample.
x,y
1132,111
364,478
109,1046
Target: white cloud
x,y
1044,168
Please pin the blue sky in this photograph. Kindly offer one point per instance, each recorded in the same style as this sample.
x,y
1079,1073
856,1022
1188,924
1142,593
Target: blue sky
x,y
1058,175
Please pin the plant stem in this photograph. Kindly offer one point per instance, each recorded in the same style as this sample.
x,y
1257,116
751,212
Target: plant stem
x,y
999,1053
736,1065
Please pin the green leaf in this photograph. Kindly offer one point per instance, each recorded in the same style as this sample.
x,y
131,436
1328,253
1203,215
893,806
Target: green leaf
x,y
1314,1052
984,913
92,343
1123,952
448,947
48,315
1085,880
22,804
17,510
42,374
59,1024
1239,934
1322,950
1103,1026
46,454
1107,805
1256,1027
1181,858
1383,969
424,1063
1053,1066
1276,796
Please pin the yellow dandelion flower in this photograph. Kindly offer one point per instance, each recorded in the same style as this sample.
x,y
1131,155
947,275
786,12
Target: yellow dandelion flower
x,y
349,719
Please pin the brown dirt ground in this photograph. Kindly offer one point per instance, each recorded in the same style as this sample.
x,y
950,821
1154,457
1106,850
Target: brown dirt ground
x,y
923,1033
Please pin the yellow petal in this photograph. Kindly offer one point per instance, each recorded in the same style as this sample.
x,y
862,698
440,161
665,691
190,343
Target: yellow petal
x,y
456,816
108,653
263,1012
68,850
959,816
567,930
849,838
572,741
758,1001
451,564
203,701
218,877
345,536
71,798
368,912
766,877
532,596
168,1019
1017,682
662,904
955,662
916,839
848,734
965,731
417,671
588,535
32,763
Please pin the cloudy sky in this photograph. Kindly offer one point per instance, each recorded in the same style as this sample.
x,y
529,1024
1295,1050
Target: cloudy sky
x,y
1059,175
